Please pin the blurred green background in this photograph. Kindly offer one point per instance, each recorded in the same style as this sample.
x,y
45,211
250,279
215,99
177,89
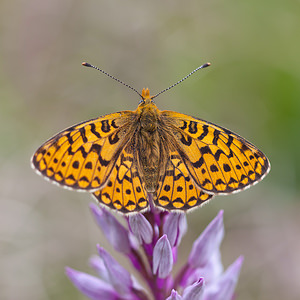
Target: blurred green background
x,y
251,88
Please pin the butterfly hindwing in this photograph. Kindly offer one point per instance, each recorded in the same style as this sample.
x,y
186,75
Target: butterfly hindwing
x,y
176,189
124,191
82,156
218,160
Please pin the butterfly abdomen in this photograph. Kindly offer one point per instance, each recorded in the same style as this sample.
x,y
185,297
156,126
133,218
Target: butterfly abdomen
x,y
148,145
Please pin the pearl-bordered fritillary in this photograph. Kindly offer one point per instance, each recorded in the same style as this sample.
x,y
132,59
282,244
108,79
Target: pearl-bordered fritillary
x,y
124,157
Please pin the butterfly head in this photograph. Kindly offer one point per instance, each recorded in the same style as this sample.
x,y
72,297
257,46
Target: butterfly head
x,y
146,98
147,108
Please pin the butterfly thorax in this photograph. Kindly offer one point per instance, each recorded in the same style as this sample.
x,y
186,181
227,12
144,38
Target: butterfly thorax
x,y
148,141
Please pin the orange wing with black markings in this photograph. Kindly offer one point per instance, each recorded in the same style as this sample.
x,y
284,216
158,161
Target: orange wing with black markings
x,y
176,189
125,190
82,157
122,157
218,160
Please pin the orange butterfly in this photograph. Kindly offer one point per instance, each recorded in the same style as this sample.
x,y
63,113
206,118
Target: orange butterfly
x,y
125,158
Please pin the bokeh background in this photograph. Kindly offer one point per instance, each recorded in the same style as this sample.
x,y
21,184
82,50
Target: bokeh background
x,y
251,88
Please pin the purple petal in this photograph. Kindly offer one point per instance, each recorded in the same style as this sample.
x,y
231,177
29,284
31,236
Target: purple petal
x,y
175,226
162,257
211,271
224,288
214,267
141,228
174,296
98,265
92,287
114,231
207,243
194,291
138,290
118,276
134,243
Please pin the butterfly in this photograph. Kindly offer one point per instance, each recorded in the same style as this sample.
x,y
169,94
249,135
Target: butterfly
x,y
129,158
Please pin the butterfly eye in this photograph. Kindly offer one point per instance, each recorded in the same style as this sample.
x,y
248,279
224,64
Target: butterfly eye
x,y
141,101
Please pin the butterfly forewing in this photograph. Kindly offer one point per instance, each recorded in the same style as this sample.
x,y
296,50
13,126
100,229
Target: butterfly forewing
x,y
83,156
218,160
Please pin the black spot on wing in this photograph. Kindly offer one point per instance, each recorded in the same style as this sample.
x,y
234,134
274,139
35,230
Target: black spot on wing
x,y
204,133
216,136
217,154
70,140
130,203
214,168
142,200
106,195
220,181
114,138
93,130
193,127
88,165
71,177
186,140
167,187
75,164
82,133
113,124
198,163
80,149
84,178
102,161
179,189
232,180
205,150
226,168
95,148
205,182
230,140
184,126
105,127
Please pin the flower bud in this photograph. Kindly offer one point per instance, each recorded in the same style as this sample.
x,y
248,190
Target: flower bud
x,y
175,226
162,257
174,296
141,228
194,291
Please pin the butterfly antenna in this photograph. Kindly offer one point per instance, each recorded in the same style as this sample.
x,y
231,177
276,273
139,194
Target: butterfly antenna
x,y
187,76
116,79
